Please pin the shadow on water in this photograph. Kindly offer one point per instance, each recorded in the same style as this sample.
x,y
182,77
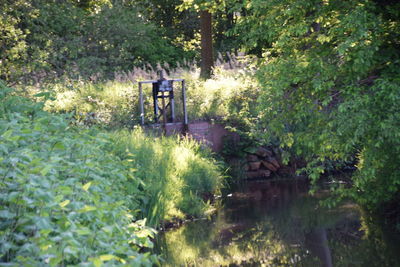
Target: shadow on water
x,y
277,223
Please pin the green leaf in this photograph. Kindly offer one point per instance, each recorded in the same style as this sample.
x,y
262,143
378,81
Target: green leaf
x,y
87,208
59,145
45,170
106,257
5,214
96,262
87,186
55,261
83,231
64,203
6,135
70,250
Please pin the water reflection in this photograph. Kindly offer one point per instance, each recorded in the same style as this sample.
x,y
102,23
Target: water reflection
x,y
317,242
274,224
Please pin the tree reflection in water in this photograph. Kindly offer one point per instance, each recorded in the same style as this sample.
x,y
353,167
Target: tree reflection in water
x,y
275,223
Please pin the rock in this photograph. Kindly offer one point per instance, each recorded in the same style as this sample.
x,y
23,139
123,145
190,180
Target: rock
x,y
263,152
254,165
252,158
274,162
269,166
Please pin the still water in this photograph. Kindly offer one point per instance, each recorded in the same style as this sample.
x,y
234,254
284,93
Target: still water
x,y
277,223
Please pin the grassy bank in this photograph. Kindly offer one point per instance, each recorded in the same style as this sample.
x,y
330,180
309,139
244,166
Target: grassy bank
x,y
72,195
178,176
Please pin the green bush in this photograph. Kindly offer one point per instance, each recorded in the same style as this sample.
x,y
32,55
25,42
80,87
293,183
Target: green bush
x,y
65,198
330,86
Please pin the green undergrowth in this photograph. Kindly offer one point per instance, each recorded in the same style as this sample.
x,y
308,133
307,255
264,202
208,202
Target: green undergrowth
x,y
178,175
80,196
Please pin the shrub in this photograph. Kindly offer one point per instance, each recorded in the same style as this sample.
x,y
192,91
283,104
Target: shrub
x,y
65,198
330,85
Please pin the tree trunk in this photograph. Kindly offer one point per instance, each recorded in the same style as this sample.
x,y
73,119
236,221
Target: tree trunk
x,y
207,59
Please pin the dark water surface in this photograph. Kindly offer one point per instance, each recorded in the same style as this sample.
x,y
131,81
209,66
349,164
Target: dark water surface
x,y
278,223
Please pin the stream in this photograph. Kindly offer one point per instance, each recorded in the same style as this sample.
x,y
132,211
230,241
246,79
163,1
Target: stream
x,y
277,223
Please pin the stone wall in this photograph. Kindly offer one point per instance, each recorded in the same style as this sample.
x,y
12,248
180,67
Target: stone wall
x,y
262,163
207,133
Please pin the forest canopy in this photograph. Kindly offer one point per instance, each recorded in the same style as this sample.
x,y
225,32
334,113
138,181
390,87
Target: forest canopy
x,y
79,38
331,85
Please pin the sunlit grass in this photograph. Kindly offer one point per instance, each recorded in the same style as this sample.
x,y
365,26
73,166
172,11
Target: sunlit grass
x,y
176,174
114,103
109,103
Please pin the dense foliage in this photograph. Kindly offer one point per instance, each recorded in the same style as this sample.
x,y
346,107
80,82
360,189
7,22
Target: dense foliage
x,y
94,38
41,38
331,87
65,198
327,91
71,196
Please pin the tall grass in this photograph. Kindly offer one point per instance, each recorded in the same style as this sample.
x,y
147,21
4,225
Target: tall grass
x,y
115,102
177,174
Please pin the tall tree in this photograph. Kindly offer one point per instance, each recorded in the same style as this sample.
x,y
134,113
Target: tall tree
x,y
207,59
330,76
205,9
